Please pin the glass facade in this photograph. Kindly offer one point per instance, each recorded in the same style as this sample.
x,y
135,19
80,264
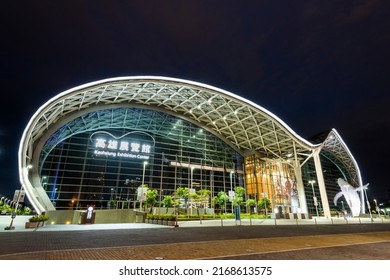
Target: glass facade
x,y
105,166
104,163
274,180
332,169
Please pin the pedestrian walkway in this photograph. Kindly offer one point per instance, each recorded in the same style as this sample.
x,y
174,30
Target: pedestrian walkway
x,y
19,222
202,239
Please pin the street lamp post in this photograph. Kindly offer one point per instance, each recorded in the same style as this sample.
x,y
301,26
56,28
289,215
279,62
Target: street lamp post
x,y
231,186
13,215
314,195
11,227
143,173
368,203
192,177
143,182
377,209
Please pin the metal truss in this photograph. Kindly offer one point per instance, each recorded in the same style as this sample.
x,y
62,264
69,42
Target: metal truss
x,y
245,126
336,146
242,124
139,119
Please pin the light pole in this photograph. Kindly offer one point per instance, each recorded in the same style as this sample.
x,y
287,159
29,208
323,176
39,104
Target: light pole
x,y
143,173
377,209
231,187
192,176
314,195
231,180
143,182
13,216
368,203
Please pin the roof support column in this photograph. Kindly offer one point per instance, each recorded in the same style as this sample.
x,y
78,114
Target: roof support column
x,y
300,188
321,183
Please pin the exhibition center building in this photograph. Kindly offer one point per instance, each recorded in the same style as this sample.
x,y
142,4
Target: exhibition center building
x,y
95,144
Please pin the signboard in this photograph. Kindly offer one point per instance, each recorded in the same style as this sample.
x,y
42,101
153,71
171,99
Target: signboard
x,y
232,195
19,198
141,194
125,148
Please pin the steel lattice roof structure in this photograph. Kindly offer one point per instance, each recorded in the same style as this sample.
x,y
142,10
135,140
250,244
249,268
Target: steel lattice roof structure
x,y
247,127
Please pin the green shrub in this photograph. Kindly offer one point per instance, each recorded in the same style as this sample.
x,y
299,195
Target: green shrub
x,y
39,218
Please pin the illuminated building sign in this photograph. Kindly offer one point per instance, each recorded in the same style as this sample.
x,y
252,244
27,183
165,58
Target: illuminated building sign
x,y
122,148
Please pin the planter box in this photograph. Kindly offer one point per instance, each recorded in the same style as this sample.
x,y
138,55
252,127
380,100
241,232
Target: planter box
x,y
171,223
33,224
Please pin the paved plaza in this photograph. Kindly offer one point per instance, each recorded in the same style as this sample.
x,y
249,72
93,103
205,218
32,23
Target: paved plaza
x,y
318,238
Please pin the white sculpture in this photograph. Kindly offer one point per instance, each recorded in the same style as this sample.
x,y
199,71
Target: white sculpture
x,y
350,195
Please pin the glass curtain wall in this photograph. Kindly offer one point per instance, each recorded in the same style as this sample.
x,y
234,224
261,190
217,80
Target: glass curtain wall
x,y
332,170
104,167
274,180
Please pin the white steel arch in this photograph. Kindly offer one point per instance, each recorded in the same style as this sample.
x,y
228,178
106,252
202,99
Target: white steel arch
x,y
244,125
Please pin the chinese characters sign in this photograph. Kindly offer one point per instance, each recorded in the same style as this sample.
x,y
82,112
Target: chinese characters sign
x,y
122,148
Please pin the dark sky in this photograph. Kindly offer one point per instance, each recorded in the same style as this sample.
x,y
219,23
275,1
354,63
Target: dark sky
x,y
315,64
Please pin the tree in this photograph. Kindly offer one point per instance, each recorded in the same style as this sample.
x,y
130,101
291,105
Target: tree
x,y
151,198
220,200
183,193
239,193
264,204
168,202
250,203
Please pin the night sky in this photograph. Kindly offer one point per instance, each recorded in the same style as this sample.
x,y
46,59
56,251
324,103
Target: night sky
x,y
315,64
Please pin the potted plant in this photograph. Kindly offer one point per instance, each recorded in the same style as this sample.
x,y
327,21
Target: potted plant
x,y
36,221
149,218
171,220
165,219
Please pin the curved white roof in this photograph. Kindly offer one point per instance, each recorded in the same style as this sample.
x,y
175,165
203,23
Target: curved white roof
x,y
244,125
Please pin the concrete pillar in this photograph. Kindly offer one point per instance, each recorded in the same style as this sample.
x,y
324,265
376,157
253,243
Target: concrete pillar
x,y
300,187
321,183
